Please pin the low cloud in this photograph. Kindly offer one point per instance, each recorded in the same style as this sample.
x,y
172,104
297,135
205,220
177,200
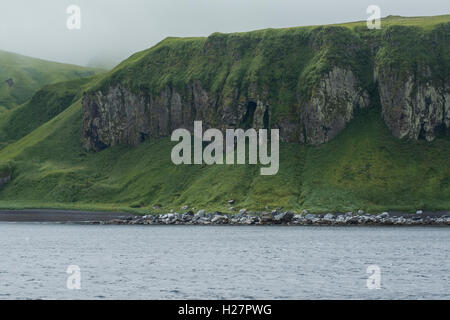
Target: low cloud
x,y
114,29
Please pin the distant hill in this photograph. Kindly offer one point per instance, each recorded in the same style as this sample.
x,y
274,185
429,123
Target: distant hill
x,y
21,77
46,104
102,62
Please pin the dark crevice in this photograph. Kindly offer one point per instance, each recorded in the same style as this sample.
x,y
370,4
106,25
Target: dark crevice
x,y
422,133
441,130
143,136
266,118
247,121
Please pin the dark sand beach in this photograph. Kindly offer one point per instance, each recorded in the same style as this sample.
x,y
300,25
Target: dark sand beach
x,y
47,215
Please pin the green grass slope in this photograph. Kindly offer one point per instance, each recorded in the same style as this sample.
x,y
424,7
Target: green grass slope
x,y
30,74
44,106
364,167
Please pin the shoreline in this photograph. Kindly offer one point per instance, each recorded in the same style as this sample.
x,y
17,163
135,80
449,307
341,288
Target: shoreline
x,y
60,216
275,217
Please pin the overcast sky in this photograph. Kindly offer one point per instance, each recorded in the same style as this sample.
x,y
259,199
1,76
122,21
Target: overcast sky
x,y
114,29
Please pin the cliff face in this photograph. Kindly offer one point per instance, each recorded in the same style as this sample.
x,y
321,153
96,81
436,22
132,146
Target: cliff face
x,y
413,75
412,108
331,106
308,82
123,117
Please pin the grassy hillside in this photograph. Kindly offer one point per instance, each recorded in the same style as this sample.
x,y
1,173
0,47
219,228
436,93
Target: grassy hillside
x,y
29,75
44,106
364,167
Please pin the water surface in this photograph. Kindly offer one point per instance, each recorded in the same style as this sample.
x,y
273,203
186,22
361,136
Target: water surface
x,y
214,262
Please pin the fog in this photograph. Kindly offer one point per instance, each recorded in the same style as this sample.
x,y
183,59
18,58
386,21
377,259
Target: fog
x,y
111,30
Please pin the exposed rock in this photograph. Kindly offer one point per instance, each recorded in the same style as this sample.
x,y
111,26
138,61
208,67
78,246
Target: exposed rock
x,y
5,179
384,215
219,219
187,216
283,217
332,106
266,217
121,116
10,82
413,106
201,212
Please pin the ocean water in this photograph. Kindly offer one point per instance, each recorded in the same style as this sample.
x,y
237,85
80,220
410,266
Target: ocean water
x,y
195,262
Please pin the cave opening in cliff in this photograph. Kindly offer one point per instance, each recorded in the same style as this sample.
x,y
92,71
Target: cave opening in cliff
x,y
143,136
247,121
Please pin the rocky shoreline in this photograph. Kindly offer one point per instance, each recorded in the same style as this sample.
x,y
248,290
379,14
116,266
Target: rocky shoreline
x,y
278,217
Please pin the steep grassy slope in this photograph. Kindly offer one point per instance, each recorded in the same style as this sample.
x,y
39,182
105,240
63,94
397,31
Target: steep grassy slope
x,y
29,75
365,166
44,106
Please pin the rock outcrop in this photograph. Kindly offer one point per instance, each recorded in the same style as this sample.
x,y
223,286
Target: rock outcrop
x,y
413,108
332,106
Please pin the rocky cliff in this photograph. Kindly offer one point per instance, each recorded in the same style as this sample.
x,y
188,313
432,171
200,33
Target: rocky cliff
x,y
308,82
413,75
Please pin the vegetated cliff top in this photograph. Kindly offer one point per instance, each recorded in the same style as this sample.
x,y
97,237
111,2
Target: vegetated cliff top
x,y
22,76
295,57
